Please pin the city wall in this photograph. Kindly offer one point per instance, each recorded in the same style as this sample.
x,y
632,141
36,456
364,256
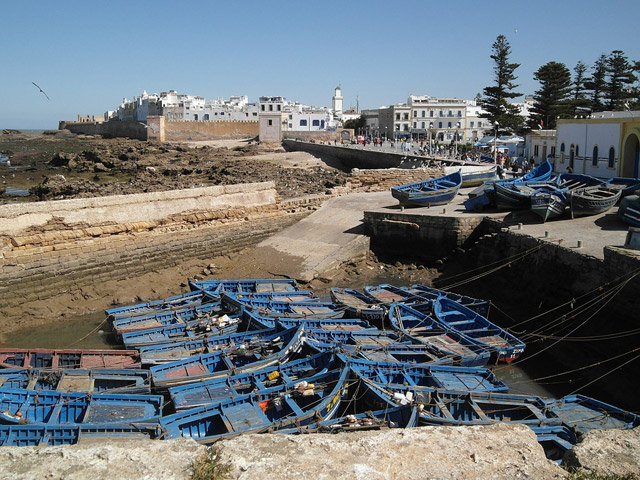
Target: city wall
x,y
320,136
48,248
164,131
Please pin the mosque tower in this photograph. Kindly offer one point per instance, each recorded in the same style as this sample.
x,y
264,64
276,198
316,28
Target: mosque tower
x,y
337,103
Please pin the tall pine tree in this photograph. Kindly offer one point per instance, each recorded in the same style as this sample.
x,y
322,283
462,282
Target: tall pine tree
x,y
579,92
620,78
597,84
496,98
551,101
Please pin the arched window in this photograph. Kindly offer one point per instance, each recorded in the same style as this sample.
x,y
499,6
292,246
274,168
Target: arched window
x,y
612,157
595,156
577,150
562,152
572,154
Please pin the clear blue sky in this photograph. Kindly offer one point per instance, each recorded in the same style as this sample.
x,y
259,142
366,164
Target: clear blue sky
x,y
88,55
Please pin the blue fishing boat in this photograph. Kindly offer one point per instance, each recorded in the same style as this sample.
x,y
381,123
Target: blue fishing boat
x,y
293,309
584,414
358,304
68,358
235,301
31,406
478,177
551,200
170,352
38,435
426,377
229,360
215,390
431,293
298,404
627,185
386,294
486,194
186,299
517,196
218,287
255,320
504,346
182,332
629,210
165,318
371,337
443,341
77,380
436,191
556,440
405,416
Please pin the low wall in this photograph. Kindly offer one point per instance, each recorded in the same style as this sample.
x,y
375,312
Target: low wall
x,y
63,245
182,131
111,129
378,180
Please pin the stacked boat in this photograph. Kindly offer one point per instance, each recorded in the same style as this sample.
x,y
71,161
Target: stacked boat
x,y
549,196
233,357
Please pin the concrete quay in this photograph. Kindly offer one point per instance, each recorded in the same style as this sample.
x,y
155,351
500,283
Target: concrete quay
x,y
345,226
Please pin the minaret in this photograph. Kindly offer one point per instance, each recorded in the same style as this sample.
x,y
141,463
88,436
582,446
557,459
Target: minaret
x,y
337,103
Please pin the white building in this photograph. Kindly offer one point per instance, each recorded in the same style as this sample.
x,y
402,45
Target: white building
x,y
605,145
540,145
336,103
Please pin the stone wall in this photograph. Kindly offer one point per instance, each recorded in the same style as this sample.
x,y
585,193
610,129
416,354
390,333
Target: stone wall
x,y
424,237
41,259
378,180
111,129
181,131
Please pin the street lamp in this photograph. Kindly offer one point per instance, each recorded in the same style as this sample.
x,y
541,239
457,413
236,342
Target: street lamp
x,y
385,133
430,127
456,137
495,142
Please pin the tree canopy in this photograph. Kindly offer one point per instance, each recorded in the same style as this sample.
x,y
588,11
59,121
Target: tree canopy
x,y
495,100
551,101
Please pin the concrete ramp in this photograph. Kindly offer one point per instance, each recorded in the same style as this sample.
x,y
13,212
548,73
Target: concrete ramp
x,y
330,236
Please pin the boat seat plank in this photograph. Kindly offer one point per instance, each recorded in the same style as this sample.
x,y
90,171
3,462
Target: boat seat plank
x,y
74,383
245,416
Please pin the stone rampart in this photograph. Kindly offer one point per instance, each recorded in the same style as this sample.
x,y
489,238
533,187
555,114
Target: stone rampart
x,y
111,129
182,131
48,248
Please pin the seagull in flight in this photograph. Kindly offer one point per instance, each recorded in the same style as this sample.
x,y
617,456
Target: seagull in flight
x,y
38,87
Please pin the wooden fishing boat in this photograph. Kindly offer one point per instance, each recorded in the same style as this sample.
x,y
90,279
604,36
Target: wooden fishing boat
x,y
50,407
81,358
629,210
165,318
170,352
592,200
229,360
436,191
552,200
556,440
255,320
176,302
627,185
272,410
218,287
386,294
215,390
371,337
443,341
475,304
472,179
405,416
181,332
426,377
37,435
232,302
294,309
516,196
584,414
504,346
357,304
77,380
486,194
441,407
